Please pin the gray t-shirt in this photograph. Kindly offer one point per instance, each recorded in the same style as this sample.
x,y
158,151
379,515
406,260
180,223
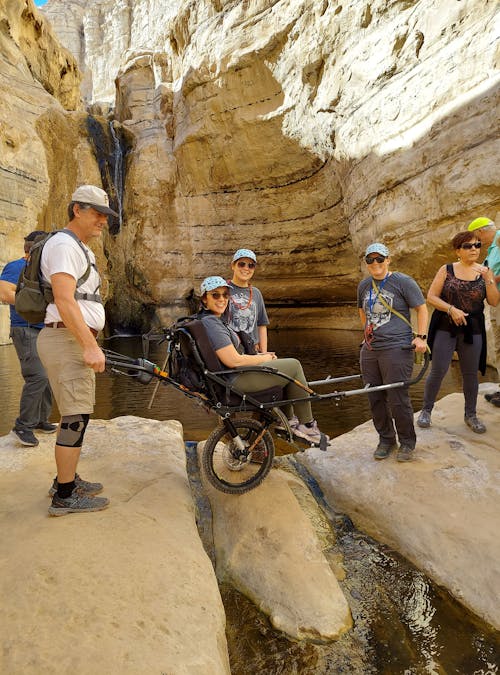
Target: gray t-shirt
x,y
400,292
219,334
243,316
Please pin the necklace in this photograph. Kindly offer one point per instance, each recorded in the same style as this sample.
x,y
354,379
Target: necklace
x,y
233,302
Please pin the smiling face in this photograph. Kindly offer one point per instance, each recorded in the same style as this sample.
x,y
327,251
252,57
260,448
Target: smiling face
x,y
243,271
469,251
216,301
88,222
378,265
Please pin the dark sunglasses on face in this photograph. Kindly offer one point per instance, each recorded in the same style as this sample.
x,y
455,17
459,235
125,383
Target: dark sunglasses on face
x,y
217,296
468,246
242,263
375,259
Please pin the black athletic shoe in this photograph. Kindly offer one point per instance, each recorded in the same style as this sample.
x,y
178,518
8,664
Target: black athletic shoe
x,y
493,398
46,427
405,453
84,486
384,450
26,436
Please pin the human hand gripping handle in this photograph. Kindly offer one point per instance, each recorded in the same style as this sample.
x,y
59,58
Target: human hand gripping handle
x,y
94,358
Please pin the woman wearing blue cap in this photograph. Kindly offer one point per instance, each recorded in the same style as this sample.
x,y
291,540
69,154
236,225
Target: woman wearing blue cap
x,y
246,310
229,349
384,302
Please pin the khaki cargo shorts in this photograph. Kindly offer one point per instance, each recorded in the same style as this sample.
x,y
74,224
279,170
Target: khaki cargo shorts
x,y
71,381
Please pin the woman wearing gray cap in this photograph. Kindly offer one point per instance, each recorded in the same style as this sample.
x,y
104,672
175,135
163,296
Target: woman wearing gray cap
x,y
226,344
384,302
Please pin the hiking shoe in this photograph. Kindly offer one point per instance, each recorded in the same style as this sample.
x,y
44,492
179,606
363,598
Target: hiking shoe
x,y
26,436
476,425
86,488
77,502
310,434
46,427
424,419
493,398
405,453
384,450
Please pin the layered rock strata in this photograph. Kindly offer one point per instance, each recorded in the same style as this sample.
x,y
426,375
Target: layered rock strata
x,y
301,129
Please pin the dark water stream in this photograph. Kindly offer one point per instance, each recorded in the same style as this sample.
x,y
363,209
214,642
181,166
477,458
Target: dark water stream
x,y
403,623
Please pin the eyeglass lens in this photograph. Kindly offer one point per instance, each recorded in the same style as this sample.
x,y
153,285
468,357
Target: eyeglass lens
x,y
377,258
217,295
242,263
468,246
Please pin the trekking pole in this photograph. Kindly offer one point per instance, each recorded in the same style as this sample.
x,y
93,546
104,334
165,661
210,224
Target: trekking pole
x,y
157,384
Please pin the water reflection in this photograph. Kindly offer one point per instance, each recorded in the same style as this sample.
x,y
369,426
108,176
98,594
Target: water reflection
x,y
332,352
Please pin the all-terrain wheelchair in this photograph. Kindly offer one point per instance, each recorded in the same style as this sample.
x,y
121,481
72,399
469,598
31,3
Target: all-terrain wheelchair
x,y
239,452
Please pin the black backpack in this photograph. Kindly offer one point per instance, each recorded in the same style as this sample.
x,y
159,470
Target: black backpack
x,y
33,294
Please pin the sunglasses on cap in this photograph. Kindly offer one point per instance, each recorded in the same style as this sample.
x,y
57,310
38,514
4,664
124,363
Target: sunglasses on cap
x,y
369,260
469,245
217,296
242,263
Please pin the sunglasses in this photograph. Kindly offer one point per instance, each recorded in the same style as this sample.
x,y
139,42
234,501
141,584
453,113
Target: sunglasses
x,y
217,296
375,259
468,246
242,263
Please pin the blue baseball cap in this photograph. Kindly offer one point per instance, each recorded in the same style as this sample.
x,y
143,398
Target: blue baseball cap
x,y
210,283
244,253
377,247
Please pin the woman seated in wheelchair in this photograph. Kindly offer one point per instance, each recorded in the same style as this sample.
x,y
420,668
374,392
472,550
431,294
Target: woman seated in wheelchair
x,y
227,345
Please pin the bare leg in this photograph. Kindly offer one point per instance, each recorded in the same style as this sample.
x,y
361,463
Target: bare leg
x,y
66,462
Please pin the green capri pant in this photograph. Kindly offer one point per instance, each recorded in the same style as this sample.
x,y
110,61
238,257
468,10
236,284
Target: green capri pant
x,y
252,382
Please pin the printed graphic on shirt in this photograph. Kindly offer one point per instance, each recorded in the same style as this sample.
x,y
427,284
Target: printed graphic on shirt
x,y
244,319
377,314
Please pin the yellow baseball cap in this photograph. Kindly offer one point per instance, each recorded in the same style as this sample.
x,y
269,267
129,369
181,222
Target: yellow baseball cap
x,y
478,223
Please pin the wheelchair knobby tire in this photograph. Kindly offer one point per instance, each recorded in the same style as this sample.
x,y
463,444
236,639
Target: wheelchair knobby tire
x,y
226,468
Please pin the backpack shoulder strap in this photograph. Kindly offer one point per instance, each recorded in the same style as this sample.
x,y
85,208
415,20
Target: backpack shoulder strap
x,y
86,274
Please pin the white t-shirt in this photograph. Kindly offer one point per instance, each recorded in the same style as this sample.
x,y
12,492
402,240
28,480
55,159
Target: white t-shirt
x,y
62,253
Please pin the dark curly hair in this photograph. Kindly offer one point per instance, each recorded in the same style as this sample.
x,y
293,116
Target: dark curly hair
x,y
462,238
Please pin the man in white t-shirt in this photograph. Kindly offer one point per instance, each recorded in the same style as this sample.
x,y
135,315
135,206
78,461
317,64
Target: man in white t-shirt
x,y
67,345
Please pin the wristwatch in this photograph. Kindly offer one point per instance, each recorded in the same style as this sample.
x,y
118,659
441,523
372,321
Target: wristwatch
x,y
422,337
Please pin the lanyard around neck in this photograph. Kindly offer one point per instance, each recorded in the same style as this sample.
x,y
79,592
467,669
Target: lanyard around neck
x,y
371,302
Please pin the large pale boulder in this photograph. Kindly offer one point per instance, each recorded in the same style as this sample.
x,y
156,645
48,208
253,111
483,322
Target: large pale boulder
x,y
440,511
129,589
267,549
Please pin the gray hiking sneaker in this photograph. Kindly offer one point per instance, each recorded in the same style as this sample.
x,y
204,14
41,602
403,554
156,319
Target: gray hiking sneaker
x,y
77,502
384,450
476,425
405,453
89,489
424,419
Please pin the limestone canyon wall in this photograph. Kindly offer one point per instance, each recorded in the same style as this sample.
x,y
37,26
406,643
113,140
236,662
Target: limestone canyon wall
x,y
44,151
300,128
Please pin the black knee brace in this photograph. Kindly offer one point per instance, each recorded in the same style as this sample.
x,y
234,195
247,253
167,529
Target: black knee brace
x,y
72,430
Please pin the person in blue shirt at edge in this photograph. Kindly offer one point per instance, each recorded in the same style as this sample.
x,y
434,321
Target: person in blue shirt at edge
x,y
383,360
246,310
486,231
36,396
227,345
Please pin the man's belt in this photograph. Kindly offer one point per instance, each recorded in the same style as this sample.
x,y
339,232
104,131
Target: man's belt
x,y
60,324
